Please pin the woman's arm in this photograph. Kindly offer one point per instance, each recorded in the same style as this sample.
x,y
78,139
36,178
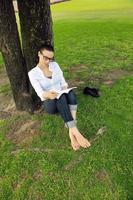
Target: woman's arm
x,y
38,89
64,84
36,85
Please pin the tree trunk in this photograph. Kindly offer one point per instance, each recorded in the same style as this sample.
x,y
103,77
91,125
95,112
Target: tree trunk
x,y
36,28
11,51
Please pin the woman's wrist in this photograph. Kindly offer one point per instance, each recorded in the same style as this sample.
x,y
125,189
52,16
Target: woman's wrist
x,y
45,95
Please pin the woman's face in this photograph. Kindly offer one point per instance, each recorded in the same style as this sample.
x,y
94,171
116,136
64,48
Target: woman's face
x,y
46,56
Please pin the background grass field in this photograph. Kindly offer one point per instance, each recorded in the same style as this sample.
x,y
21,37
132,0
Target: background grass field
x,y
93,45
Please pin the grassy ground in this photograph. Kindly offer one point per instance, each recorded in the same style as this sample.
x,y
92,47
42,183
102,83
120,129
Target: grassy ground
x,y
93,9
94,47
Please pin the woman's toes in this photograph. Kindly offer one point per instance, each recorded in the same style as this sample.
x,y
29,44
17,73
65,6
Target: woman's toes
x,y
74,143
77,147
88,143
74,147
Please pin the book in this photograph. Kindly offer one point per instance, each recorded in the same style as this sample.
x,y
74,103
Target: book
x,y
64,91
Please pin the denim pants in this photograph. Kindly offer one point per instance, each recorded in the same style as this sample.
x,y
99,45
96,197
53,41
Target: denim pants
x,y
64,105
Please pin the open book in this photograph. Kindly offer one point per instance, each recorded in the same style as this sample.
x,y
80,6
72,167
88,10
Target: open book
x,y
64,91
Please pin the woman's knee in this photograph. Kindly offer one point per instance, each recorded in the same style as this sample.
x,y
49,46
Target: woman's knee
x,y
71,97
62,98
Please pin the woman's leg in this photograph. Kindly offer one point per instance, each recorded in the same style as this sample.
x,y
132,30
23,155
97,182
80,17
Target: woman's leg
x,y
71,99
77,139
61,106
64,110
51,107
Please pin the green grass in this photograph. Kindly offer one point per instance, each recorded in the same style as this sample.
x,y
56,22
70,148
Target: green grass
x,y
93,9
1,60
45,167
110,155
5,88
98,45
85,5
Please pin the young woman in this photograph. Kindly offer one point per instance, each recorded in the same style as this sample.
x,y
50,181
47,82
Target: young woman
x,y
47,78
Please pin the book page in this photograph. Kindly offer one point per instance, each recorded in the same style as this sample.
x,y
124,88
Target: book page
x,y
64,91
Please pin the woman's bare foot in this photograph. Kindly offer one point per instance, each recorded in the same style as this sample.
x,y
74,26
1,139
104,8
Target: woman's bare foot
x,y
82,141
74,143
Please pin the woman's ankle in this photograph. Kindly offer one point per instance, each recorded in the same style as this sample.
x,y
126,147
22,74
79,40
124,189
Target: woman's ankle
x,y
74,130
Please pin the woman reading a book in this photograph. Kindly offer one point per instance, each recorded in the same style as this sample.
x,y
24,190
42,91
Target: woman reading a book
x,y
49,83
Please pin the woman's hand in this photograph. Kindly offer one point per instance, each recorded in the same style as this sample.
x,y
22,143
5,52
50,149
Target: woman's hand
x,y
50,94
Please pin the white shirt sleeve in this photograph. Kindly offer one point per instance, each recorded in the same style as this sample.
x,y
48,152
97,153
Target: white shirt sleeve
x,y
36,85
63,81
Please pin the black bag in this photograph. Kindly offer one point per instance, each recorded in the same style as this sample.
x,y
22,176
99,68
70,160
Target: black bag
x,y
91,91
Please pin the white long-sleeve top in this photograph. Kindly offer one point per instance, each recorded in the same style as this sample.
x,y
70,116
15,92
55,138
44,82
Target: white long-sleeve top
x,y
41,83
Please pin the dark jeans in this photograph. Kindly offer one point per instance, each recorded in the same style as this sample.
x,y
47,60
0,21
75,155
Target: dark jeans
x,y
63,105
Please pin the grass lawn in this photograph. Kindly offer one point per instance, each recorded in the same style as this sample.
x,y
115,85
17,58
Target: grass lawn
x,y
93,44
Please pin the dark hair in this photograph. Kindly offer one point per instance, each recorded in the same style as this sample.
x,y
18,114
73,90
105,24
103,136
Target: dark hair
x,y
45,46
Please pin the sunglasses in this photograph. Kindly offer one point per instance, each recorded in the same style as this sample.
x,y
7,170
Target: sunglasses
x,y
47,58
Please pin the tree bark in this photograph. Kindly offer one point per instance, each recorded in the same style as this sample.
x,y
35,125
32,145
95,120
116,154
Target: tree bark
x,y
12,54
36,29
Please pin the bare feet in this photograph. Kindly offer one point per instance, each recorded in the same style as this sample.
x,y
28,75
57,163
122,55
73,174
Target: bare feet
x,y
82,141
74,143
